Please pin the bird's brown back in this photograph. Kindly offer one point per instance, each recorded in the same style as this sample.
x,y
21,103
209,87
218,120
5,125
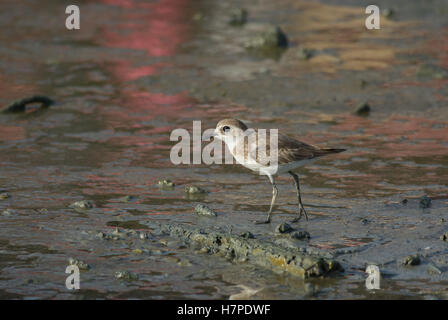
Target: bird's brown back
x,y
290,150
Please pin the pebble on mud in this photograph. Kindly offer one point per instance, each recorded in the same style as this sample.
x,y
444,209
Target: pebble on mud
x,y
198,16
363,109
184,263
247,235
4,195
238,17
194,190
411,260
127,199
143,236
122,235
83,204
79,263
301,235
428,70
363,83
444,237
126,275
425,202
304,54
166,183
204,210
272,37
283,228
8,212
388,12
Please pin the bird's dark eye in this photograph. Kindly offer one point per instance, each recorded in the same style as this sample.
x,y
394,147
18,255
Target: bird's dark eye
x,y
226,128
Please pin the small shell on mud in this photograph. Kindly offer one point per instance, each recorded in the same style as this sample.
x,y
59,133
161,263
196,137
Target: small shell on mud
x,y
271,37
194,190
79,263
283,228
425,202
363,109
126,199
184,263
247,235
204,210
305,54
143,235
166,183
83,204
300,235
8,212
126,275
4,195
444,237
411,260
238,17
388,12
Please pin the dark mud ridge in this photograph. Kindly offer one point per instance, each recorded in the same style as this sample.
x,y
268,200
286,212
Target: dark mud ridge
x,y
20,105
263,253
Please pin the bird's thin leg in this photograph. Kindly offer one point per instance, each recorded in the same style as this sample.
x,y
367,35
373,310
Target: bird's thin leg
x,y
301,208
274,196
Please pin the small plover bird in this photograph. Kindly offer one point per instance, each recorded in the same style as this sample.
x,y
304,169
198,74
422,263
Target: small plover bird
x,y
291,154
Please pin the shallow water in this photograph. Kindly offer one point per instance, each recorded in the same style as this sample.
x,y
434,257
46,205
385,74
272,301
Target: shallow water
x,y
139,69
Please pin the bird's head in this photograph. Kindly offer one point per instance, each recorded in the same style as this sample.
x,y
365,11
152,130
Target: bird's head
x,y
229,129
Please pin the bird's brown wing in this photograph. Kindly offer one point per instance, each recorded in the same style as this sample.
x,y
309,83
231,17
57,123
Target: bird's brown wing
x,y
290,150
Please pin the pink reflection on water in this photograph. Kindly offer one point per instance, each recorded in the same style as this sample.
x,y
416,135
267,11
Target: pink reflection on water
x,y
125,71
158,28
398,136
12,133
439,46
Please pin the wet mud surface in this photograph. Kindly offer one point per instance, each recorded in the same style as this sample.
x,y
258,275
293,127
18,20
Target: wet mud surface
x,y
80,179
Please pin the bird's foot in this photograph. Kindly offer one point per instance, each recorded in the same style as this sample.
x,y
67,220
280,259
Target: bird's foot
x,y
263,222
301,213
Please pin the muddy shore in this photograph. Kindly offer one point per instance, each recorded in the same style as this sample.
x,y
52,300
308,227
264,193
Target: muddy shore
x,y
138,70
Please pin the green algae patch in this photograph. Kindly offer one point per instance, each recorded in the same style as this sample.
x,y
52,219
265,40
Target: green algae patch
x,y
251,250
